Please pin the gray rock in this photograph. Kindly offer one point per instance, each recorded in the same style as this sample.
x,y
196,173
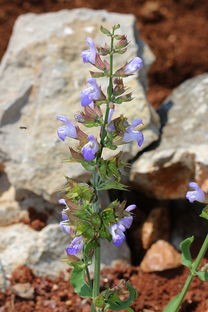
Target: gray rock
x,y
42,76
21,245
181,156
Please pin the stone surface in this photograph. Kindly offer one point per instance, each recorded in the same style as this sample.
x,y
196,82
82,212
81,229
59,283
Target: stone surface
x,y
42,76
161,256
155,227
10,210
23,290
181,156
42,251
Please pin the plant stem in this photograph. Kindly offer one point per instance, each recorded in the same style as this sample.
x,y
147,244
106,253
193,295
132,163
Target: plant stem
x,y
191,275
110,92
96,281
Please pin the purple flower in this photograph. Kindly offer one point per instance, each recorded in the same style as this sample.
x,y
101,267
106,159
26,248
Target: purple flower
x,y
62,202
127,220
90,149
63,224
75,246
89,56
134,65
90,94
117,232
130,134
68,130
196,195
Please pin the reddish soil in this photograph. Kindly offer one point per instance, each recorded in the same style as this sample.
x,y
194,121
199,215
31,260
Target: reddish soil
x,y
177,32
154,291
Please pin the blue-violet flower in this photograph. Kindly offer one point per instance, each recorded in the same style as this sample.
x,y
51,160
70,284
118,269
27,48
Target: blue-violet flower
x,y
130,134
76,246
134,65
90,94
117,230
90,149
89,56
68,130
196,195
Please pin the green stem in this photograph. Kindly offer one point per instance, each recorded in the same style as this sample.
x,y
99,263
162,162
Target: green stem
x,y
110,92
191,275
96,279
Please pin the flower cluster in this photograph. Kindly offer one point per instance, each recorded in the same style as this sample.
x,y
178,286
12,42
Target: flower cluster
x,y
114,131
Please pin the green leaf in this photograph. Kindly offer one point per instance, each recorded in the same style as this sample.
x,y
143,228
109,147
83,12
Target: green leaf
x,y
204,213
105,31
78,281
116,26
203,273
173,305
185,245
116,304
108,185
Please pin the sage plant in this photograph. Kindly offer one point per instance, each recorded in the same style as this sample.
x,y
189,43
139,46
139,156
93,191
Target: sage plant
x,y
193,265
83,219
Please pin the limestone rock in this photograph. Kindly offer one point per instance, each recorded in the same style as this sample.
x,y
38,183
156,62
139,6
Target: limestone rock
x,y
161,256
155,227
10,210
41,76
23,290
21,245
181,156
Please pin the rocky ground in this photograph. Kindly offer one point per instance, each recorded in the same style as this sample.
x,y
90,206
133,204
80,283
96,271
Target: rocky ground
x,y
176,33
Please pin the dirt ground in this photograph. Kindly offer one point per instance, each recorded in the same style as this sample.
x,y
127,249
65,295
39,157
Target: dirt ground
x,y
154,291
177,33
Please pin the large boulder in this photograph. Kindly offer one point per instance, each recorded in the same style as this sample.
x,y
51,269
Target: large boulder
x,y
182,155
41,76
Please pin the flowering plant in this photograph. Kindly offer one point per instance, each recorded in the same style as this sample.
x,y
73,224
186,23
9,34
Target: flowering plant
x,y
193,265
83,219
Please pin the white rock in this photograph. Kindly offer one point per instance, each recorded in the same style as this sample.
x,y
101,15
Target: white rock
x,y
181,156
42,76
